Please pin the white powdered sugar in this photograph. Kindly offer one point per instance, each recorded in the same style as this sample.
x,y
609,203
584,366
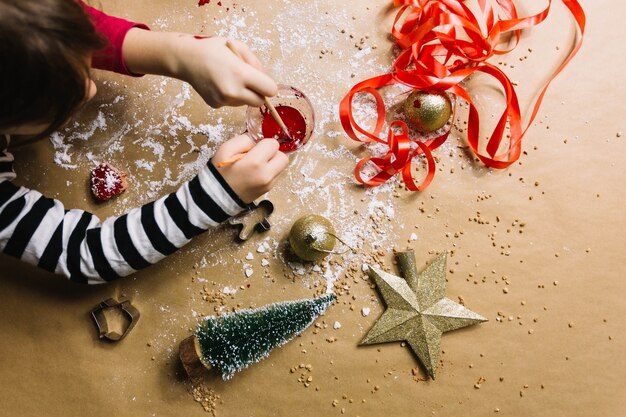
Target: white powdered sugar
x,y
171,133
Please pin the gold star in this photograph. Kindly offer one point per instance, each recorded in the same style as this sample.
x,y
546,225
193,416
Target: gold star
x,y
417,310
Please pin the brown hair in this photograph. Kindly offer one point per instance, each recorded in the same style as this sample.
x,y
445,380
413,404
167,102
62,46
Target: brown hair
x,y
44,45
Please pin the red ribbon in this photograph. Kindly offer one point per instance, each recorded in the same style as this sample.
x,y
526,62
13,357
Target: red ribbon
x,y
398,159
442,44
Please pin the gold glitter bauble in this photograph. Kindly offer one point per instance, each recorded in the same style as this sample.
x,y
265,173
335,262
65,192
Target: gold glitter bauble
x,y
428,111
312,237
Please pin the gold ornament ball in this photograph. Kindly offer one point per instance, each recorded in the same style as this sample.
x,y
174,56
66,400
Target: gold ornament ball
x,y
428,111
310,236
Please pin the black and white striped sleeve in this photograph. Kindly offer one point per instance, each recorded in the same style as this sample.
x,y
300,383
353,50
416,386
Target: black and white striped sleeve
x,y
75,243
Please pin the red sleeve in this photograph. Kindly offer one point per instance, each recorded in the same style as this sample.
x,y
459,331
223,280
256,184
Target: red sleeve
x,y
114,30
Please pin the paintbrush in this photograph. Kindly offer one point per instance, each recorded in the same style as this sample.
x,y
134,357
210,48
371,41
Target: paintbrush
x,y
232,160
268,103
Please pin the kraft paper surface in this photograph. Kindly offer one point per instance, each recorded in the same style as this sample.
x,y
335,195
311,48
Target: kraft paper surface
x,y
537,249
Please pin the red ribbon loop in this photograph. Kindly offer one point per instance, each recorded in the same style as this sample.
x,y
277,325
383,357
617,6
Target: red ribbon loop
x,y
398,159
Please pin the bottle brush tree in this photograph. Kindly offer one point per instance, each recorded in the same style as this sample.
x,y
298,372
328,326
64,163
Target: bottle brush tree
x,y
234,341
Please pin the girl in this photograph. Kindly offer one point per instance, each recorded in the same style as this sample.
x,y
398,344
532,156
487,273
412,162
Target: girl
x,y
46,47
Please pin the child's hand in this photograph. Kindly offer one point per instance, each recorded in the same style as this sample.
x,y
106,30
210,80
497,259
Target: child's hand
x,y
219,76
254,174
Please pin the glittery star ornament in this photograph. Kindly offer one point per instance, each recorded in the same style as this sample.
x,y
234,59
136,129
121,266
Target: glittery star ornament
x,y
417,310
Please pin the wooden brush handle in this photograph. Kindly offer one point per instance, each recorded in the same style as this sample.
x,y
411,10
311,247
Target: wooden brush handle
x,y
277,117
268,103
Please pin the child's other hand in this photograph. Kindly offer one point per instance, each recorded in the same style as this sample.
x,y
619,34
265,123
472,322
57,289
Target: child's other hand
x,y
254,174
219,76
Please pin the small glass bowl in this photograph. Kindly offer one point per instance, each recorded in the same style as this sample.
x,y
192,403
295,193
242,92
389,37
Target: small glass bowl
x,y
287,96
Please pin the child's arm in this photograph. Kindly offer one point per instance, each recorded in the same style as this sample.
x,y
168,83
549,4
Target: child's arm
x,y
114,31
75,243
207,64
215,72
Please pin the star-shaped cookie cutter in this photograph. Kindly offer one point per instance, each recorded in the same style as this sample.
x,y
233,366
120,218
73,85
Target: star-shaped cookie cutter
x,y
254,219
129,312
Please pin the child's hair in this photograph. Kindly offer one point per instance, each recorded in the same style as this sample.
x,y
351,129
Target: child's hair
x,y
44,47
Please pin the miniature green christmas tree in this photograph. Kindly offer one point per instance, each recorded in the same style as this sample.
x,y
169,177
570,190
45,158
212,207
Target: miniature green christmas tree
x,y
234,341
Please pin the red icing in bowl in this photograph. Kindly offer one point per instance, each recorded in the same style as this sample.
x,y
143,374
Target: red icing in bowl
x,y
296,125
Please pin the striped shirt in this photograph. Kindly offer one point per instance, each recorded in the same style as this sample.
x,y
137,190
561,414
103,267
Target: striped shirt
x,y
77,244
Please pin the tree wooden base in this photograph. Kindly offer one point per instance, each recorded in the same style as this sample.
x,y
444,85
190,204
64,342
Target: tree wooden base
x,y
190,356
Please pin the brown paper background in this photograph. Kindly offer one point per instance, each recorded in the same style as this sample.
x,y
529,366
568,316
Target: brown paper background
x,y
54,365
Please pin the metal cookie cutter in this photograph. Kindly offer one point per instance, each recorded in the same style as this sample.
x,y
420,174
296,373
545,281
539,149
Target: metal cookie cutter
x,y
130,314
254,219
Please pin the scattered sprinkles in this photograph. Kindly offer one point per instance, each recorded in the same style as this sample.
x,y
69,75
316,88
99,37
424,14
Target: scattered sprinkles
x,y
482,227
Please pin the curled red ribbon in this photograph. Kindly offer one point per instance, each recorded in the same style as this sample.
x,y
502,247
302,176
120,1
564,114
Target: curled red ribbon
x,y
398,159
442,44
